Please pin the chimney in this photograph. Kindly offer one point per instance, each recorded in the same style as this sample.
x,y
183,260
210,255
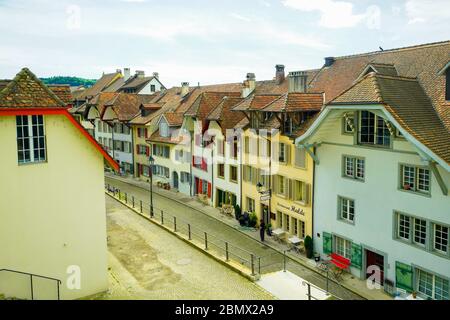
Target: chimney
x,y
140,74
279,75
184,89
126,74
118,71
249,85
156,75
298,82
329,61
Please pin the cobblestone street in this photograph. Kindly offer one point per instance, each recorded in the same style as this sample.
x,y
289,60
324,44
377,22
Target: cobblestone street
x,y
273,260
147,262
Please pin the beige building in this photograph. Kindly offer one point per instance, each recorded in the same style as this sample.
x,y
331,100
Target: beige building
x,y
52,207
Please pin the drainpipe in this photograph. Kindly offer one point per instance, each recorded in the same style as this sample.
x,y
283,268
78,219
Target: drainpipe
x,y
212,175
132,149
313,187
190,166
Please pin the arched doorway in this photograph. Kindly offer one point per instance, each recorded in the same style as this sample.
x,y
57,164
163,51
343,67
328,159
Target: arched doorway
x,y
175,180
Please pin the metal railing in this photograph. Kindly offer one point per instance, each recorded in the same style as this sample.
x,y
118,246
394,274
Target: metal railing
x,y
229,252
31,275
224,249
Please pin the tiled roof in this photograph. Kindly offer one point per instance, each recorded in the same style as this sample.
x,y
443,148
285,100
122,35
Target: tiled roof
x,y
27,91
224,115
256,102
156,137
126,105
101,84
63,92
406,100
295,102
3,84
206,102
136,83
422,62
174,119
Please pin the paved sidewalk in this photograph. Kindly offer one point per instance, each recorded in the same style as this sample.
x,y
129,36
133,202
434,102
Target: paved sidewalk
x,y
248,239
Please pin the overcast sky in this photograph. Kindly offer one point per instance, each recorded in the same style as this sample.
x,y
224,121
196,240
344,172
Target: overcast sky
x,y
206,41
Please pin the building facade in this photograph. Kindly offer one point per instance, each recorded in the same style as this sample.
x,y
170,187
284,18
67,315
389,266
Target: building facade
x,y
45,229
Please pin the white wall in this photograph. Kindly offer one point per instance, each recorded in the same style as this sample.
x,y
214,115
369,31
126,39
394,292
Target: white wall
x,y
52,214
376,199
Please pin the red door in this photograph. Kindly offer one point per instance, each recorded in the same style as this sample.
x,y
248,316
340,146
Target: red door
x,y
374,259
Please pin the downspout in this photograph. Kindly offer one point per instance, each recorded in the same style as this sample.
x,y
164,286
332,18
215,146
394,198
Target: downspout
x,y
132,148
190,166
212,175
241,170
312,197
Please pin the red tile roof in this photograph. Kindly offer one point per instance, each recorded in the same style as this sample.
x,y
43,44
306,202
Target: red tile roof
x,y
27,91
296,102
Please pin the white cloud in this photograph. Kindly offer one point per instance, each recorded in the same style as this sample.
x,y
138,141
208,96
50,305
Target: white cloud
x,y
337,14
240,17
420,11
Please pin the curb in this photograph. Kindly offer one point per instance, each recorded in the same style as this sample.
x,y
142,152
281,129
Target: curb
x,y
208,253
247,235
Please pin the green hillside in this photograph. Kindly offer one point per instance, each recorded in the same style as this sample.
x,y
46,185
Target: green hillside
x,y
72,81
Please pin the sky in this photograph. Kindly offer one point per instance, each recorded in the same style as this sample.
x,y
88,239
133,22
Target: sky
x,y
206,41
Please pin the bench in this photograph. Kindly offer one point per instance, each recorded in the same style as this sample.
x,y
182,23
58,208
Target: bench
x,y
340,263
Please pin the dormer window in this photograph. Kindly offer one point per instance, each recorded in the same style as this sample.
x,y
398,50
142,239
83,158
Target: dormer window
x,y
373,130
164,129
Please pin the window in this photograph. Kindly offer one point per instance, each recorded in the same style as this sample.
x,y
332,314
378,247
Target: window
x,y
432,286
164,129
220,147
233,173
250,205
281,185
373,130
415,179
31,146
420,231
221,170
404,227
440,242
161,151
300,191
161,171
302,229
347,120
280,220
185,177
152,88
347,209
288,125
234,148
283,153
300,157
295,225
287,225
343,247
354,167
247,145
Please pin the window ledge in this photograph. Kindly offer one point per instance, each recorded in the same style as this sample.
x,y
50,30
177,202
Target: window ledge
x,y
353,179
347,222
427,195
32,163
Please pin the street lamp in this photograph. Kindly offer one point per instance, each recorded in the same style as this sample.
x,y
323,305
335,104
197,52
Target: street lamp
x,y
151,160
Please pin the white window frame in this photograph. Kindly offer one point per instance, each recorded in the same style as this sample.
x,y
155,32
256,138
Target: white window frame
x,y
342,247
354,167
30,138
414,176
346,214
430,280
443,236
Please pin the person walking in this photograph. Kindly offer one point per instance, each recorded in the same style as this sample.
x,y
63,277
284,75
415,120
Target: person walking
x,y
262,229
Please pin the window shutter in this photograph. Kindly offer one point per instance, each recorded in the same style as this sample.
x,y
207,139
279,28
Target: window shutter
x,y
403,276
209,190
154,149
300,157
356,256
327,243
275,184
148,151
146,133
288,153
200,189
290,189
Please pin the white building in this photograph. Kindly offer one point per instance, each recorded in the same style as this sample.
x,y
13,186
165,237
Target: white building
x,y
382,172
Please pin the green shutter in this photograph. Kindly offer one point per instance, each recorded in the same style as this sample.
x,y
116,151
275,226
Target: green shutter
x,y
403,276
327,242
356,255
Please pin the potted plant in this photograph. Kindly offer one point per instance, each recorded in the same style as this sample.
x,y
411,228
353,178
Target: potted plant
x,y
414,294
269,229
253,220
237,212
309,247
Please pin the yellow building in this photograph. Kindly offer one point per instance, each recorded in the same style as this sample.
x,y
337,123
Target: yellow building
x,y
52,202
277,176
